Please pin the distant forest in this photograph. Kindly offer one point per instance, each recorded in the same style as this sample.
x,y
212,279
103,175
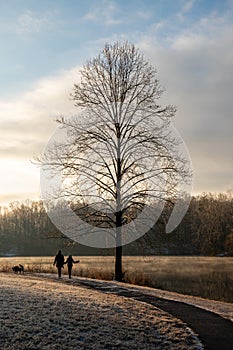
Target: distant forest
x,y
207,229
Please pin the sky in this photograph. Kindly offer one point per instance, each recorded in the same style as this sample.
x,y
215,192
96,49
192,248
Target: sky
x,y
44,44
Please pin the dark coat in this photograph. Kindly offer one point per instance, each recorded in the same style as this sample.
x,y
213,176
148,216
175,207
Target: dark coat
x,y
59,260
70,261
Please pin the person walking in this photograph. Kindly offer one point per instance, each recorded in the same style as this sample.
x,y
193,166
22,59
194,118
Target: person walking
x,y
59,262
70,261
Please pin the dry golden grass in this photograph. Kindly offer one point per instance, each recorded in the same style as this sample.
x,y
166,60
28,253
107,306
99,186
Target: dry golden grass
x,y
208,277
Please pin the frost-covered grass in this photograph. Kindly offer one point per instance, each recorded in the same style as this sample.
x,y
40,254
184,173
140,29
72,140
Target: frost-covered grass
x,y
208,277
45,314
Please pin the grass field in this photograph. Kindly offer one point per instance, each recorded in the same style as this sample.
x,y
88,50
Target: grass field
x,y
207,277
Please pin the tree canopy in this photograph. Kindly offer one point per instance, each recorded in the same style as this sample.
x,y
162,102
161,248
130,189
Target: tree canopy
x,y
120,158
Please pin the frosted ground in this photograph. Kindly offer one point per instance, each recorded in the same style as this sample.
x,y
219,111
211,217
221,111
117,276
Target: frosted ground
x,y
44,313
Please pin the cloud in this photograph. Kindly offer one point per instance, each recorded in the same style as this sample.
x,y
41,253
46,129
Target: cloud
x,y
143,14
18,180
31,22
194,63
106,13
28,119
187,6
27,122
195,67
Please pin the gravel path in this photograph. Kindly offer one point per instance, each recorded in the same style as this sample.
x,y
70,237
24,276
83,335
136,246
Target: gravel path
x,y
214,331
44,313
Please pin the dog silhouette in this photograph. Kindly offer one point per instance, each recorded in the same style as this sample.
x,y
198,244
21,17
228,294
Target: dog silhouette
x,y
18,268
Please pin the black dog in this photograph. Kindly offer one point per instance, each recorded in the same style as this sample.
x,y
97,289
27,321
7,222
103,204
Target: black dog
x,y
18,269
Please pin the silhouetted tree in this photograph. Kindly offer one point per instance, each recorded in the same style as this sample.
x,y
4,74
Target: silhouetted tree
x,y
119,154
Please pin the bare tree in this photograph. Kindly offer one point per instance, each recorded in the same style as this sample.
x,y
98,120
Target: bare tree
x,y
120,155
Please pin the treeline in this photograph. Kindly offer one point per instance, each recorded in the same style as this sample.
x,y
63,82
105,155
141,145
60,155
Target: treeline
x,y
210,222
25,229
206,229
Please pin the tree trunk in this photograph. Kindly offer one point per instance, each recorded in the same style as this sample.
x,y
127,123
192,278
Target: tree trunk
x,y
118,250
118,264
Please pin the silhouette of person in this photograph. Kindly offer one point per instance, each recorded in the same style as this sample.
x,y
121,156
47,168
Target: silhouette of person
x,y
59,262
70,261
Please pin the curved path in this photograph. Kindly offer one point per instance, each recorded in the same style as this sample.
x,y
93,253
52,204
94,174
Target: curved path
x,y
215,332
